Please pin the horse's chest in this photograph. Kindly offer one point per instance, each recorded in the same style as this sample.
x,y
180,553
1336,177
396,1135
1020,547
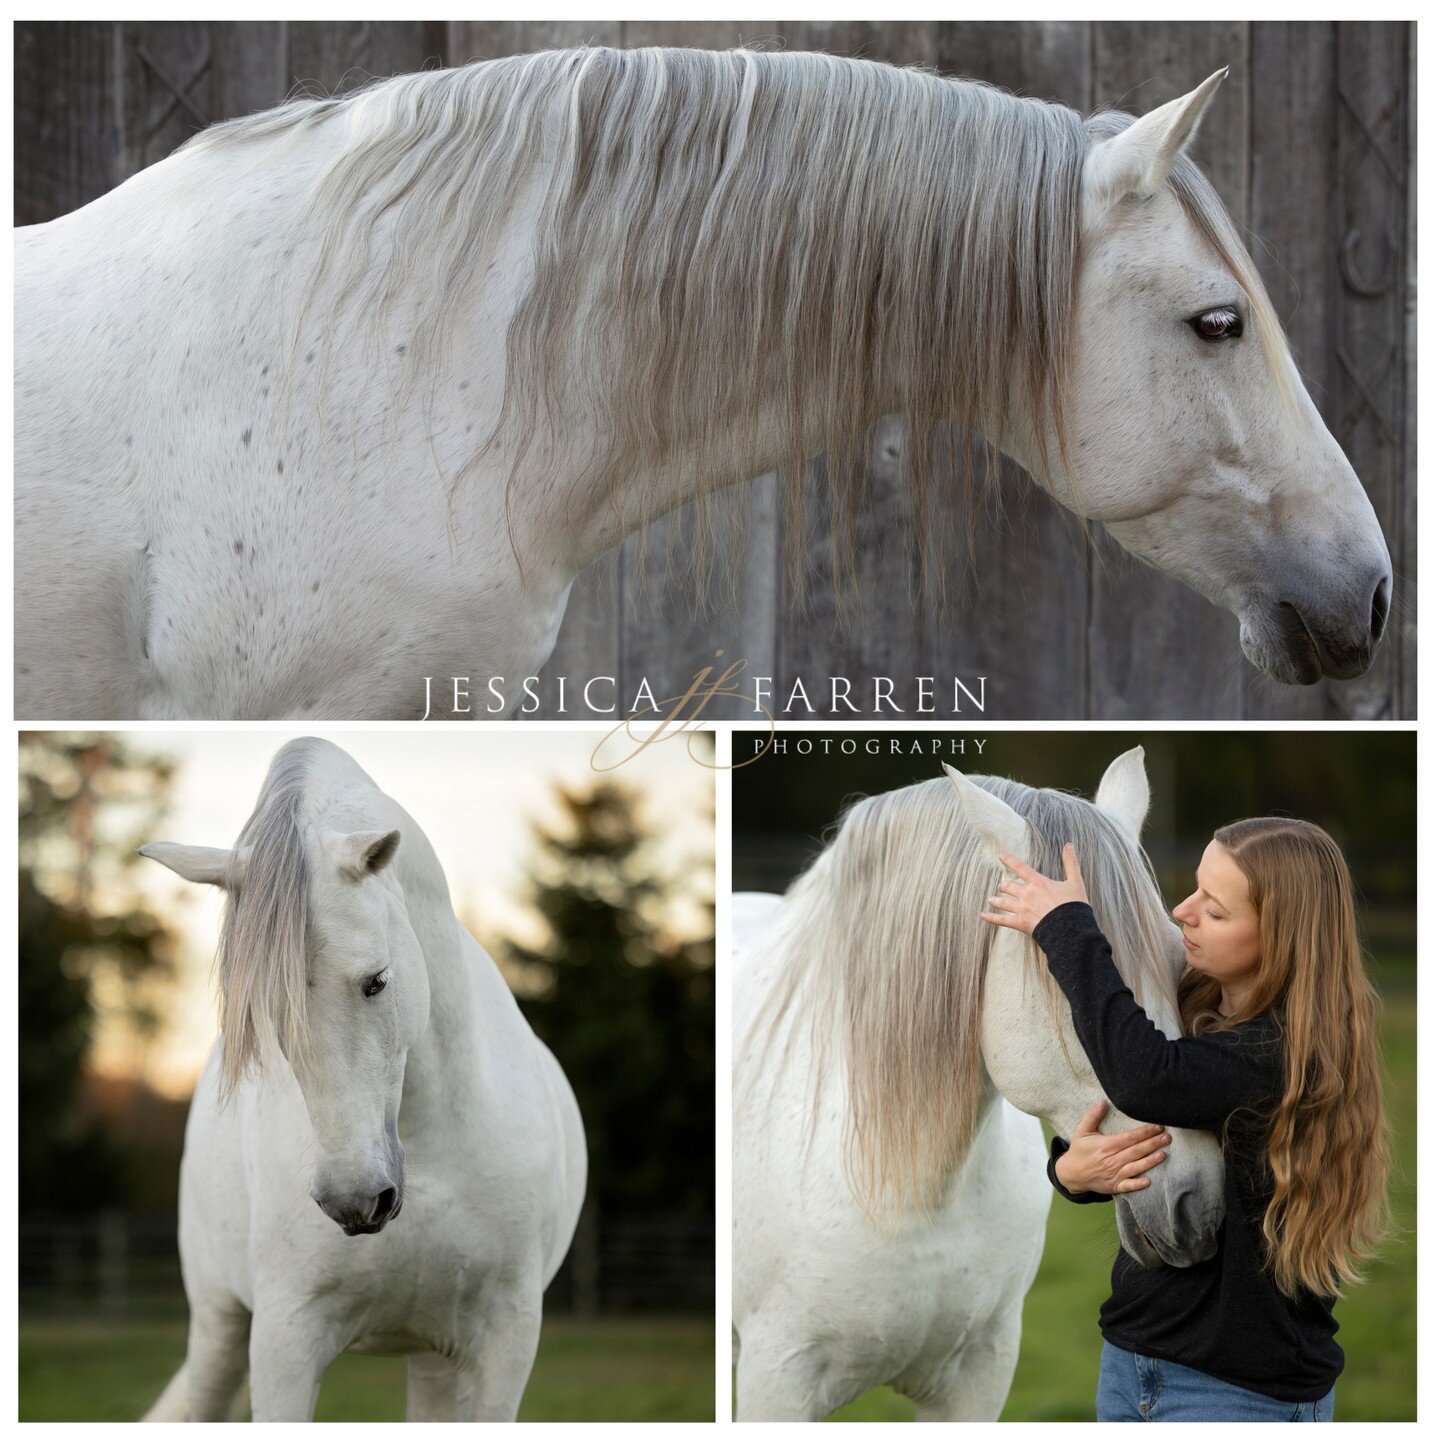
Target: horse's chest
x,y
418,1292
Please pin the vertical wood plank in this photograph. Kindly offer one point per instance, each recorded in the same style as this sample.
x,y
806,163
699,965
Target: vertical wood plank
x,y
670,630
590,639
250,66
67,139
1292,188
1405,613
1157,648
167,75
828,631
1018,613
342,55
490,39
1370,340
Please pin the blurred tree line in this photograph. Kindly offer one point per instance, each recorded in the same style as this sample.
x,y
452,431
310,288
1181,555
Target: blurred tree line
x,y
625,1000
1358,785
87,943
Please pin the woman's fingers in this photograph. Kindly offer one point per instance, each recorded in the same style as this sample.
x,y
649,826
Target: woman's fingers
x,y
1140,1166
1072,866
1024,871
1144,1147
997,917
1119,1144
1090,1121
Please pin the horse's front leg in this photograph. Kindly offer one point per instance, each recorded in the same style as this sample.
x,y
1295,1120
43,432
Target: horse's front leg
x,y
500,1355
432,1388
291,1346
982,1376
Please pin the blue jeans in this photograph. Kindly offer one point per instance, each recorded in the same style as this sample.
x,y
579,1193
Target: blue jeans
x,y
1137,1387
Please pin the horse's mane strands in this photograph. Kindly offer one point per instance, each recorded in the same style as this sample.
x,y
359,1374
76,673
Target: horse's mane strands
x,y
884,961
262,956
740,243
729,247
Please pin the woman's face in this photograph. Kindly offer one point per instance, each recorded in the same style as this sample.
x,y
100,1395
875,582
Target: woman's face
x,y
1220,925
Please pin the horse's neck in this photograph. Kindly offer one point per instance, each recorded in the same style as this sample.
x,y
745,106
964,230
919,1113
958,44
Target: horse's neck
x,y
474,1032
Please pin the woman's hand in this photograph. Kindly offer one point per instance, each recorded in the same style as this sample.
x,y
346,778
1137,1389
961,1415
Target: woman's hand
x,y
1110,1164
1026,900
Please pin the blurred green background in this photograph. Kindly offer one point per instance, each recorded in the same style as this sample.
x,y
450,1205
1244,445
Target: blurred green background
x,y
1360,786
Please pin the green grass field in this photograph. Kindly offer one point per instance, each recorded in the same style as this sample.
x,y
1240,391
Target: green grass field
x,y
1060,1345
607,1370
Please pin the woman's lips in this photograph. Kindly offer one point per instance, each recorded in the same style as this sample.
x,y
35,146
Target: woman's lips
x,y
1189,943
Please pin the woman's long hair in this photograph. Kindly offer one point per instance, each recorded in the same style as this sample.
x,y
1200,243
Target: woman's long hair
x,y
1327,1134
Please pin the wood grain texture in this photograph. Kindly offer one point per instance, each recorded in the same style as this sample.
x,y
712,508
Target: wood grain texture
x,y
1370,421
1150,635
1019,609
1292,183
67,123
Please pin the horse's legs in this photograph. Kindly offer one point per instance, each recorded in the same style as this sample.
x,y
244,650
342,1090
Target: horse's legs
x,y
769,1385
290,1349
501,1355
215,1358
432,1388
983,1375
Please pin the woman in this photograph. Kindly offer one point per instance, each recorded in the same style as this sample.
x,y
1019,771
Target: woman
x,y
1278,1058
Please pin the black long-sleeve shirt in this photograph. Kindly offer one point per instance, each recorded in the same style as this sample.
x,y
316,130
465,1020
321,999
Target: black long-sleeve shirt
x,y
1224,1316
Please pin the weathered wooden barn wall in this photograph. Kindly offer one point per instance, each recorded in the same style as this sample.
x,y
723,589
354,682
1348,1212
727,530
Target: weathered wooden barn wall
x,y
1311,143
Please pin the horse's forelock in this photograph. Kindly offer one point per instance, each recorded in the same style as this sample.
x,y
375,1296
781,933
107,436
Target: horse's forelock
x,y
262,958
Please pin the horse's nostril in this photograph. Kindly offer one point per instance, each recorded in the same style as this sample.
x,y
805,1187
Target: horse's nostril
x,y
384,1204
1379,609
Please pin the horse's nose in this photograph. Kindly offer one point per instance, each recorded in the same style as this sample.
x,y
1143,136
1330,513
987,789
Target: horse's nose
x,y
1379,609
1197,1226
1344,635
360,1215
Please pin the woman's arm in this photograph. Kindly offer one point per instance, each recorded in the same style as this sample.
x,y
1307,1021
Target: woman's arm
x,y
1092,1166
1195,1081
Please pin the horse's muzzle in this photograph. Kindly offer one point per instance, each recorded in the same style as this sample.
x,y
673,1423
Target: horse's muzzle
x,y
1301,642
362,1216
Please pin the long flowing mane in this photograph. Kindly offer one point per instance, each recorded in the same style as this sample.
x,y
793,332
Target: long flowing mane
x,y
732,245
884,960
262,957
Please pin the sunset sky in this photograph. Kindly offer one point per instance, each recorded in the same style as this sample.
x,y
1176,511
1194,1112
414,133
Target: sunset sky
x,y
473,793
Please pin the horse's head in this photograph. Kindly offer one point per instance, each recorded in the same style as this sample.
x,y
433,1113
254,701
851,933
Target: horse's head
x,y
319,958
1176,1219
1189,434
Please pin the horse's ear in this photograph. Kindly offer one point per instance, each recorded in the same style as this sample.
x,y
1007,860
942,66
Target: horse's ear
x,y
1139,159
202,864
362,853
1124,793
1003,831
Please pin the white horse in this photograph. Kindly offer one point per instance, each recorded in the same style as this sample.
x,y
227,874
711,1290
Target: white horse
x,y
889,1197
370,1058
346,394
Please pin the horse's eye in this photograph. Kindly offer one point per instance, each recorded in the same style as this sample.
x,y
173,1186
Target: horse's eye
x,y
374,985
1222,324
